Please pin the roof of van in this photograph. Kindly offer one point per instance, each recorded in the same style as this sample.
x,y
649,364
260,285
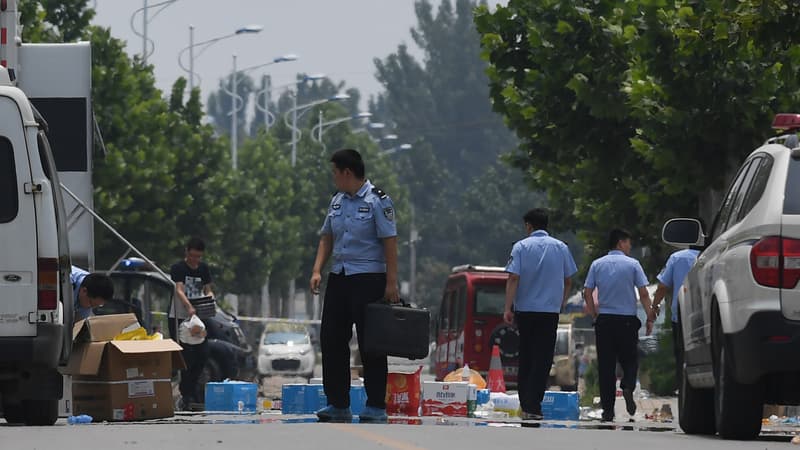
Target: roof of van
x,y
18,97
472,268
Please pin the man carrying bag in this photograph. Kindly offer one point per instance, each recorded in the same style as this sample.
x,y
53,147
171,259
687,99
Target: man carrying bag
x,y
360,232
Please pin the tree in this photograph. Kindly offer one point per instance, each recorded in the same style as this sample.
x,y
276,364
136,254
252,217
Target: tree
x,y
631,112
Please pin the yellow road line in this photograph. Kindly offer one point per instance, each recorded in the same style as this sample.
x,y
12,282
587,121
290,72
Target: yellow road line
x,y
361,432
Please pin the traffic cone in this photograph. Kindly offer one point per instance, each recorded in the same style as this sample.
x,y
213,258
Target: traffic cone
x,y
495,381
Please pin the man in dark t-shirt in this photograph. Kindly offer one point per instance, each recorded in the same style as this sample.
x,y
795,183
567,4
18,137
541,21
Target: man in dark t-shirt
x,y
192,280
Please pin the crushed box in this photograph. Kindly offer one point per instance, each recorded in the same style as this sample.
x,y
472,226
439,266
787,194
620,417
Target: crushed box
x,y
120,380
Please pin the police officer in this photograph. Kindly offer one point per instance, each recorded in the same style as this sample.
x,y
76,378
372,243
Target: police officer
x,y
90,290
538,284
678,266
360,231
615,276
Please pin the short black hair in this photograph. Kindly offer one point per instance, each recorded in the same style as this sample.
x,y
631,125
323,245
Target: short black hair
x,y
196,243
537,218
347,158
98,285
615,236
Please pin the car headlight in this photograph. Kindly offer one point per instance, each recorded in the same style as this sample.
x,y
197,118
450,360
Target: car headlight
x,y
265,352
304,351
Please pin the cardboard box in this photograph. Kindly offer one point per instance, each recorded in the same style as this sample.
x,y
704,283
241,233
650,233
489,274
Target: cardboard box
x,y
558,405
120,380
225,396
453,399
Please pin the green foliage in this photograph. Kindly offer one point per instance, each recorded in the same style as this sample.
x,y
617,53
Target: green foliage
x,y
591,387
659,367
632,112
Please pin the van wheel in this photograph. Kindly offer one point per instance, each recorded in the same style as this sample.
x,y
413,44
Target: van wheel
x,y
737,407
40,412
13,412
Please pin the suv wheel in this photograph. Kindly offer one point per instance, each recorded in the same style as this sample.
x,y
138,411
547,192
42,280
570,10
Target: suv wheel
x,y
737,407
695,406
40,412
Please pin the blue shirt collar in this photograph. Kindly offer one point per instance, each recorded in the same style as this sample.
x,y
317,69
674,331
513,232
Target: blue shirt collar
x,y
363,191
616,252
539,233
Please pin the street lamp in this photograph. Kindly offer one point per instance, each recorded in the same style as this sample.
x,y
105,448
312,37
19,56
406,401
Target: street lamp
x,y
146,43
269,118
322,126
298,111
235,99
249,29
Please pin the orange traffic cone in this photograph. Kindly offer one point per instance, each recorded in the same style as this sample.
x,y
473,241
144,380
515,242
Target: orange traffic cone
x,y
495,381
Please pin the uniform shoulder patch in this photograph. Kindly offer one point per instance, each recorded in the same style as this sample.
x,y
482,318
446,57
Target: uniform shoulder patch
x,y
379,192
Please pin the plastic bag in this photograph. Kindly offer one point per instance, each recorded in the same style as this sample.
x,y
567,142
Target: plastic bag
x,y
403,393
192,331
474,378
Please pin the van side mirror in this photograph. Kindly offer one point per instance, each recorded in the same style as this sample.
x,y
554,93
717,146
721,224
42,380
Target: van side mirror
x,y
683,233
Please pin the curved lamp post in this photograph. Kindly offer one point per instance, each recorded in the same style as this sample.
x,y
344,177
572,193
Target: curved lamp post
x,y
298,111
322,126
236,100
269,118
249,29
148,46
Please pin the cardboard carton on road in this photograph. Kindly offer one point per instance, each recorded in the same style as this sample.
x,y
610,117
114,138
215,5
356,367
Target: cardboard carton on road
x,y
121,380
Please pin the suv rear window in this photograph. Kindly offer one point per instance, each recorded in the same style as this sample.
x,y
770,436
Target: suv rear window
x,y
791,202
9,197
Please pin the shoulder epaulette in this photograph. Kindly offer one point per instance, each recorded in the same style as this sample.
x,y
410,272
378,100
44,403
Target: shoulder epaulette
x,y
379,192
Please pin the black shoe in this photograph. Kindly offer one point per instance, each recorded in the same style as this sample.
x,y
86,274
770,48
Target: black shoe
x,y
531,416
630,405
607,417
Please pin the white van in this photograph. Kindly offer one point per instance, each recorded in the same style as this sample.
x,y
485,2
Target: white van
x,y
36,304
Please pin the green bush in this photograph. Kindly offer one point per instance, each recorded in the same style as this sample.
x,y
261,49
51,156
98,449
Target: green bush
x,y
591,386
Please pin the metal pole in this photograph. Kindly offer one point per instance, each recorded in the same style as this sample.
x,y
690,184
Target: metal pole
x,y
267,97
234,119
144,33
191,59
294,129
319,136
412,239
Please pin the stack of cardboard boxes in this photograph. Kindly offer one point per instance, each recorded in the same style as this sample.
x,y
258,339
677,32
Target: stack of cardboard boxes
x,y
119,380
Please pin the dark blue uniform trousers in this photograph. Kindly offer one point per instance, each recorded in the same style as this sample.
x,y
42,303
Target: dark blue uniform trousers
x,y
346,297
617,340
537,341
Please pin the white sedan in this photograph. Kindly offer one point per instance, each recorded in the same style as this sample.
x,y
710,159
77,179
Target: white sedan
x,y
286,353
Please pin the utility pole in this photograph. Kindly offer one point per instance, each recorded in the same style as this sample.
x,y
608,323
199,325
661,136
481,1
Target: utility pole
x,y
144,33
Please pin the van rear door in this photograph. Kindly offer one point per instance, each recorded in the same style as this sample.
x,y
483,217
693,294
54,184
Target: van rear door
x,y
790,230
18,257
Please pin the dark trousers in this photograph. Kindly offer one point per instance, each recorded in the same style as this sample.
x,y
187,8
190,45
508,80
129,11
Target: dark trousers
x,y
346,297
537,341
195,357
617,338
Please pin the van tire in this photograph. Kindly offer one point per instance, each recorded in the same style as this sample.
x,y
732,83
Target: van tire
x,y
40,412
13,412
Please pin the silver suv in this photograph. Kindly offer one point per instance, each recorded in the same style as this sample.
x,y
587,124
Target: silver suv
x,y
739,307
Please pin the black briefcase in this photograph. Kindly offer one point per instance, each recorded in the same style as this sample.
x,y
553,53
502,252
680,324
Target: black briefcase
x,y
396,330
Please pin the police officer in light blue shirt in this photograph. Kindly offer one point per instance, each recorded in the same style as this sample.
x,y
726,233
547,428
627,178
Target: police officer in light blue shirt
x,y
360,232
672,277
616,276
89,290
538,284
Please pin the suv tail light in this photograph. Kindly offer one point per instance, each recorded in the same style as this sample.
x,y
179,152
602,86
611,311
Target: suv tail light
x,y
775,262
48,283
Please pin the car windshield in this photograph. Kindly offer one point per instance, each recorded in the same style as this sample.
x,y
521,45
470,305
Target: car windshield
x,y
286,338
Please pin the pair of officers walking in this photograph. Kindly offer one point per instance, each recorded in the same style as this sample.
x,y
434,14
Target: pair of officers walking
x,y
540,270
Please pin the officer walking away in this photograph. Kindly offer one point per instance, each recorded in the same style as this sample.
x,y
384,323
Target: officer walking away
x,y
90,290
671,278
192,280
615,276
360,232
538,284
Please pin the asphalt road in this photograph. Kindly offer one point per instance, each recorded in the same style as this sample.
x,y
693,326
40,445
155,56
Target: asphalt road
x,y
272,431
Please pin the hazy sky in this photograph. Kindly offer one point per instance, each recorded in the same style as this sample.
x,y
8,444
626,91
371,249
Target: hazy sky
x,y
337,37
